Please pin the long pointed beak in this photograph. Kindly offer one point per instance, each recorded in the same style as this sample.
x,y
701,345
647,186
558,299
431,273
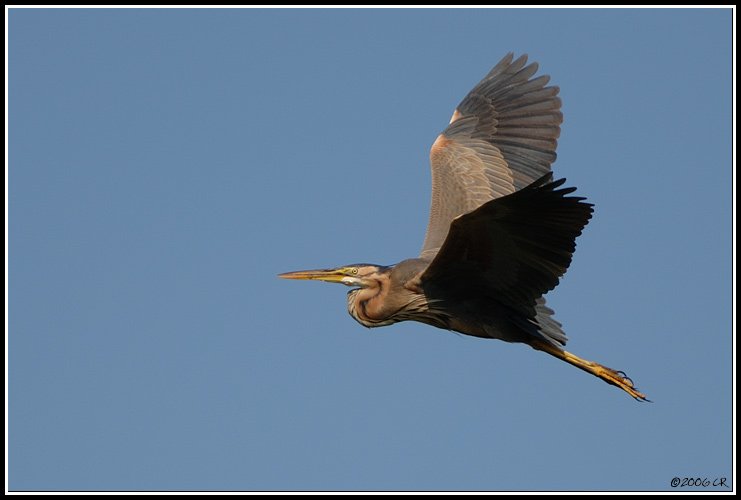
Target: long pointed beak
x,y
329,275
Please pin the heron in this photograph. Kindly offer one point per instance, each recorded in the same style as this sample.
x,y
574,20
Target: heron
x,y
501,230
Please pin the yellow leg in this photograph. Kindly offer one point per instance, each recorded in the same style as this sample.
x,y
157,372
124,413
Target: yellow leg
x,y
609,375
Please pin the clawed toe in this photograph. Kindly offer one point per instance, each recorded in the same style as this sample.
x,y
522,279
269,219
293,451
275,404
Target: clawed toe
x,y
625,377
620,379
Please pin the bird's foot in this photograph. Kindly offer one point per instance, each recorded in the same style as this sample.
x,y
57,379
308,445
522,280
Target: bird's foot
x,y
612,377
619,379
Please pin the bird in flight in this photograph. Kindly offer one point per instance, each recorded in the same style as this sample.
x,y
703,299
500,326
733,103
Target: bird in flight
x,y
501,231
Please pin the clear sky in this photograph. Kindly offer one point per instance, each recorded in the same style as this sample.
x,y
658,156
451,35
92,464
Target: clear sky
x,y
165,165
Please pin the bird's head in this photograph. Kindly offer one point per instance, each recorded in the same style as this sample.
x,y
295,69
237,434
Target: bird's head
x,y
356,275
368,281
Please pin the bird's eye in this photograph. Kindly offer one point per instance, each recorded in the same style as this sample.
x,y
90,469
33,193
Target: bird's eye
x,y
354,270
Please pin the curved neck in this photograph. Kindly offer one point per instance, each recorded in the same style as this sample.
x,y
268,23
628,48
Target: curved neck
x,y
369,306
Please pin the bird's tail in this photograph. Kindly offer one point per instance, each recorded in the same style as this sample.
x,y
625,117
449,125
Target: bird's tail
x,y
612,377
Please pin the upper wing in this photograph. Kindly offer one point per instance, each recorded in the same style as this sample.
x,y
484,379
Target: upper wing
x,y
512,249
502,137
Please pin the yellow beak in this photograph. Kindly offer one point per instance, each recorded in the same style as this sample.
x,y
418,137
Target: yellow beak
x,y
329,275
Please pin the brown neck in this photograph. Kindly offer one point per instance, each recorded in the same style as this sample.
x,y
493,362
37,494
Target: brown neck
x,y
368,305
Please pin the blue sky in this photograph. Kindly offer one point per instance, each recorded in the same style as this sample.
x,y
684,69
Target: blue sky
x,y
164,166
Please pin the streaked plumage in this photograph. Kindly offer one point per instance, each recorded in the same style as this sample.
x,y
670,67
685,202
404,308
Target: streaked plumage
x,y
501,232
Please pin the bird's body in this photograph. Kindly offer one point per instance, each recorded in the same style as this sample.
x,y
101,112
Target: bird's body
x,y
501,231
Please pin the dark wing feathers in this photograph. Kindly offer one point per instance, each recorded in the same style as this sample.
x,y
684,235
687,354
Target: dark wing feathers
x,y
501,138
512,249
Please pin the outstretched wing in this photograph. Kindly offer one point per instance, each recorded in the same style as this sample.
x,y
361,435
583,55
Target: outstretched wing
x,y
512,249
502,137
